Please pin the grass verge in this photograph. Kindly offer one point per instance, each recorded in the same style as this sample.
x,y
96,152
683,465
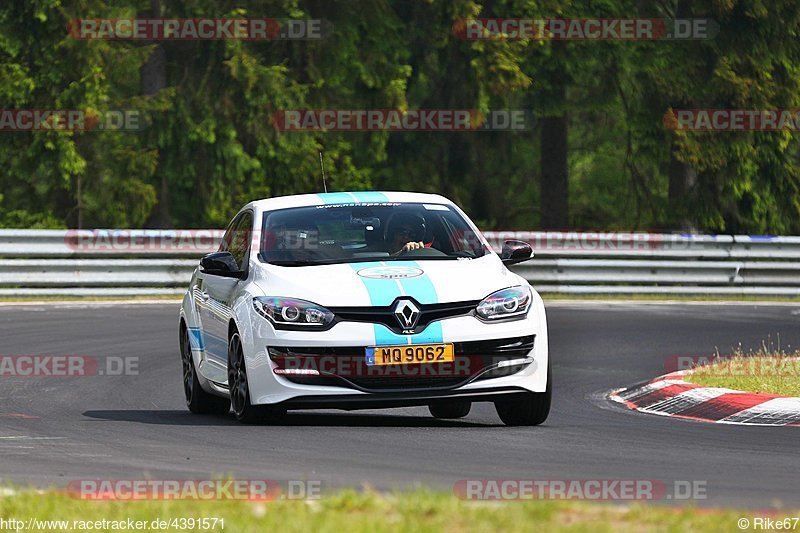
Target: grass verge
x,y
417,510
771,371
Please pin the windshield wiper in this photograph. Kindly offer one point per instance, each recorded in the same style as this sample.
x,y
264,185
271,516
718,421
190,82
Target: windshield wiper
x,y
412,257
295,263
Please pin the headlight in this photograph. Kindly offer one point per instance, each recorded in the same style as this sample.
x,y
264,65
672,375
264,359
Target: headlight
x,y
507,303
292,312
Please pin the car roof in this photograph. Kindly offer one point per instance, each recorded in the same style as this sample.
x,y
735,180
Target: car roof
x,y
347,197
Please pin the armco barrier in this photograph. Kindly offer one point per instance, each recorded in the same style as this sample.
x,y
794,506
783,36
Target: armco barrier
x,y
158,262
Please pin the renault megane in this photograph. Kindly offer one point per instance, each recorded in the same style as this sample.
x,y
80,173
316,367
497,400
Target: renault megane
x,y
362,300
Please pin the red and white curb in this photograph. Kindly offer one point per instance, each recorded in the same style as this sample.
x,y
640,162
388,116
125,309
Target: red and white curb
x,y
669,395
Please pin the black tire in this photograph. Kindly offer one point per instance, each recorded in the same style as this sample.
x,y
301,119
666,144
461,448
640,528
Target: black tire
x,y
239,389
527,409
197,400
450,409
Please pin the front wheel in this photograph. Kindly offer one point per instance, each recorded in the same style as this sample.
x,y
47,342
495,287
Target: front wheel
x,y
240,389
526,409
197,400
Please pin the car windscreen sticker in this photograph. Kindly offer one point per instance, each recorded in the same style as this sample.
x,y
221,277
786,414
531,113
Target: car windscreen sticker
x,y
335,197
370,196
358,197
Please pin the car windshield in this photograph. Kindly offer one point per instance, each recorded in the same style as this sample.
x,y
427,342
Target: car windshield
x,y
347,233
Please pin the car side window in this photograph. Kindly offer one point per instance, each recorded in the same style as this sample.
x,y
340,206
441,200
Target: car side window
x,y
239,244
225,243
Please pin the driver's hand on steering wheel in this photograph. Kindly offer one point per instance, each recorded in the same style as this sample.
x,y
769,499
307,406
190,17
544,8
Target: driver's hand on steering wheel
x,y
407,247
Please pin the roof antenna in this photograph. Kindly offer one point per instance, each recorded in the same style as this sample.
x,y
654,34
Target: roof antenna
x,y
322,166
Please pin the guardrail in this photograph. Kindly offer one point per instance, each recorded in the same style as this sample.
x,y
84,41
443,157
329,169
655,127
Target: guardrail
x,y
159,262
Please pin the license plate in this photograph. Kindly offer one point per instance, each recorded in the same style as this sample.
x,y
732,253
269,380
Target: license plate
x,y
410,354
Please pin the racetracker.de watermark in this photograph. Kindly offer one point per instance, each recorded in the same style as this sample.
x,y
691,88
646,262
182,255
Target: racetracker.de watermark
x,y
71,120
448,120
588,29
66,366
199,29
195,489
126,240
401,365
732,119
738,365
616,241
580,489
121,241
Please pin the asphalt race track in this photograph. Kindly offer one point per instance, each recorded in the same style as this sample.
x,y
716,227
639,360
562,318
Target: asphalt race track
x,y
55,429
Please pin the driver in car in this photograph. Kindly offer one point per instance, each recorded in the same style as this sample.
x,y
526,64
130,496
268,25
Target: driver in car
x,y
405,233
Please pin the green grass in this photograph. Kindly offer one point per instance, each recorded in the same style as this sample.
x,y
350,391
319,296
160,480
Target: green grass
x,y
768,370
418,510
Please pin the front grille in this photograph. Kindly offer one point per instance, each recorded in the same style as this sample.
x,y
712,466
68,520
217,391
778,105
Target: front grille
x,y
385,314
514,348
346,366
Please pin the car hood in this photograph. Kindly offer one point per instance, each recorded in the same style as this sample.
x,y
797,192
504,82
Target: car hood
x,y
379,283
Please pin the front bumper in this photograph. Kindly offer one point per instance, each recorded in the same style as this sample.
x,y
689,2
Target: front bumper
x,y
491,359
346,366
352,402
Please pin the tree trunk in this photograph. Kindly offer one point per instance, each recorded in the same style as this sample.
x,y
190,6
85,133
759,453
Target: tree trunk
x,y
682,180
553,184
153,78
458,161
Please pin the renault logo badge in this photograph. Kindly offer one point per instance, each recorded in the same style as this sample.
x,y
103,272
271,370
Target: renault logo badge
x,y
406,314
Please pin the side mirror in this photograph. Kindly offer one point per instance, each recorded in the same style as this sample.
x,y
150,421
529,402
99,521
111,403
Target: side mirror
x,y
515,252
220,264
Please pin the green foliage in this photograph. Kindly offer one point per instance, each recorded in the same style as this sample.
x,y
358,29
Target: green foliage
x,y
209,145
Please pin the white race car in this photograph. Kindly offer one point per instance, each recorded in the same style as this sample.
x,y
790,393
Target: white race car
x,y
361,300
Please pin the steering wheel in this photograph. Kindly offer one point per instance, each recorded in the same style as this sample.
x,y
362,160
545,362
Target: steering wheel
x,y
423,252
